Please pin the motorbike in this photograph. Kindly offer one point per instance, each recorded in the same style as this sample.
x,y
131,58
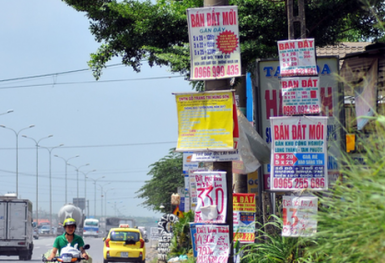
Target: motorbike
x,y
68,254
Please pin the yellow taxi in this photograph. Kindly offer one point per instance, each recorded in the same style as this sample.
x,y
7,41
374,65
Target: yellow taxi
x,y
124,244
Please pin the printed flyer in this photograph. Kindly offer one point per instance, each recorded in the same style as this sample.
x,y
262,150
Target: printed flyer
x,y
299,153
213,243
244,210
206,121
299,216
297,57
300,95
214,42
211,197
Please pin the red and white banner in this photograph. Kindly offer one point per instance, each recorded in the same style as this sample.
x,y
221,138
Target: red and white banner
x,y
299,216
211,197
213,243
244,211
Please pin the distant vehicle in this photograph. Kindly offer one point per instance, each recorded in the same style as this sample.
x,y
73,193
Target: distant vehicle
x,y
16,228
67,211
44,229
112,222
35,233
91,227
124,244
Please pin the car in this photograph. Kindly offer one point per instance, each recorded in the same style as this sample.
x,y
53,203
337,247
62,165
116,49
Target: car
x,y
124,244
44,229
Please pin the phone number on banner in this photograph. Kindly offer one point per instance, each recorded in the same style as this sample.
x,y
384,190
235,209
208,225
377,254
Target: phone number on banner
x,y
216,71
246,237
298,183
300,109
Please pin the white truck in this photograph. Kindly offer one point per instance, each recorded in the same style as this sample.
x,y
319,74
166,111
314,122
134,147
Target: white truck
x,y
16,227
70,211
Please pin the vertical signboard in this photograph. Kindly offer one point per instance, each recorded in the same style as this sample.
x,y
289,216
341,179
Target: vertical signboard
x,y
212,197
298,153
299,216
213,243
271,105
244,209
214,42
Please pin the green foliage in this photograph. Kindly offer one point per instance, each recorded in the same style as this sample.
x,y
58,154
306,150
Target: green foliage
x,y
181,240
140,30
166,178
271,247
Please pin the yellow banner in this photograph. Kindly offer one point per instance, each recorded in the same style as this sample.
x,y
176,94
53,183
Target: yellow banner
x,y
205,121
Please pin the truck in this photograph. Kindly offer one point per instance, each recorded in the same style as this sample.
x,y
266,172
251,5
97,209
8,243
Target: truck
x,y
16,229
70,211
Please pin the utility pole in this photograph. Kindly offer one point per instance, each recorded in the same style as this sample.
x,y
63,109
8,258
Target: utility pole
x,y
295,19
223,84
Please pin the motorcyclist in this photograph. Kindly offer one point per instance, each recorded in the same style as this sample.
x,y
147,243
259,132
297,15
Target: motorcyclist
x,y
69,236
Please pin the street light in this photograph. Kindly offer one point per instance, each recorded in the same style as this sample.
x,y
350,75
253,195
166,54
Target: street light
x,y
66,163
77,176
85,184
50,149
37,171
17,152
8,111
101,201
105,201
95,180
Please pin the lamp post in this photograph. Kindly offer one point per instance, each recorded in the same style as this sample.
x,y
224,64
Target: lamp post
x,y
105,201
77,176
37,171
101,194
85,184
8,111
95,180
17,152
50,149
66,163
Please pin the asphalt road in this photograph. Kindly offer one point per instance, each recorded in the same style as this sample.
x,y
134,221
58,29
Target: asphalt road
x,y
44,243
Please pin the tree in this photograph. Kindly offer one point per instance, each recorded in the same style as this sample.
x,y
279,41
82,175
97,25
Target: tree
x,y
138,31
166,178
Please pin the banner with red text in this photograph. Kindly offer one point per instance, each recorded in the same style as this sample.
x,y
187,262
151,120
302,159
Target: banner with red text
x,y
299,153
211,197
244,210
300,95
297,57
213,243
299,216
214,42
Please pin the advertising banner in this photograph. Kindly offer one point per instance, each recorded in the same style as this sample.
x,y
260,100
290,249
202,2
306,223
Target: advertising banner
x,y
193,187
297,57
299,216
244,210
205,121
215,156
300,96
211,197
188,163
213,243
271,105
298,153
214,42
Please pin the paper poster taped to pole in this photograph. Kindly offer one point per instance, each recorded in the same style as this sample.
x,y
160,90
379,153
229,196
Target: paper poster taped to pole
x,y
297,57
213,243
214,42
206,121
244,210
300,96
211,197
299,216
299,153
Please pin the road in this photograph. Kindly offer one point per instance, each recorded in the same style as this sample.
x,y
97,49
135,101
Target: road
x,y
43,244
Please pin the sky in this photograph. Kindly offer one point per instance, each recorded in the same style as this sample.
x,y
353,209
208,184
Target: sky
x,y
119,125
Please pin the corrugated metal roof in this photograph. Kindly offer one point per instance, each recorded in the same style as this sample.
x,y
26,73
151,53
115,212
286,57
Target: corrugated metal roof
x,y
342,49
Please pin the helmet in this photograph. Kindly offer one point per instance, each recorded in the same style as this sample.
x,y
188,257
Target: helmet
x,y
69,222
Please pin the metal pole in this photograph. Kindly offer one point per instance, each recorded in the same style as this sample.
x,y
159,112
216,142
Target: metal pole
x,y
95,200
